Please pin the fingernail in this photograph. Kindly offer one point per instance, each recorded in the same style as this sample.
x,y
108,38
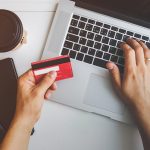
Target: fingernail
x,y
53,74
122,43
128,39
110,66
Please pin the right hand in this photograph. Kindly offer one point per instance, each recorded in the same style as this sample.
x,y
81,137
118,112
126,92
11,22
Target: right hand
x,y
134,87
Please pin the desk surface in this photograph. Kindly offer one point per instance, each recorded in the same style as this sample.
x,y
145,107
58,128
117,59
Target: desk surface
x,y
61,127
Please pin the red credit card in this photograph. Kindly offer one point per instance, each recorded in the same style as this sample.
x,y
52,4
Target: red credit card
x,y
61,65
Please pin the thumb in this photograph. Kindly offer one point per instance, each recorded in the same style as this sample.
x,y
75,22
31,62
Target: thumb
x,y
115,73
46,82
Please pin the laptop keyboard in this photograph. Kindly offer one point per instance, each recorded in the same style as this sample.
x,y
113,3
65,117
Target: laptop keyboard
x,y
95,42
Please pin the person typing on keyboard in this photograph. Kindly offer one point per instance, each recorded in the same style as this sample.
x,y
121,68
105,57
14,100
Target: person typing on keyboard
x,y
133,87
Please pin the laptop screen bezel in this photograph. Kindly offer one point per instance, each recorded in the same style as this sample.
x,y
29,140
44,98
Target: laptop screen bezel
x,y
111,13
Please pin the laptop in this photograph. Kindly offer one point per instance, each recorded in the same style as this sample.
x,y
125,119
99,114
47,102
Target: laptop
x,y
90,31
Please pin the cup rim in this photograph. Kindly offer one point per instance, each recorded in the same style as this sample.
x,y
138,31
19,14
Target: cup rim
x,y
17,30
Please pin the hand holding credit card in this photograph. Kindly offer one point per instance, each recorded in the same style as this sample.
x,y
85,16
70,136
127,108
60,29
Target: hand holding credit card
x,y
61,65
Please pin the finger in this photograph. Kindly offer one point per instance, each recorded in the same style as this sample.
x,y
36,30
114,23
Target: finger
x,y
129,54
54,86
49,93
139,52
115,73
28,75
46,82
146,52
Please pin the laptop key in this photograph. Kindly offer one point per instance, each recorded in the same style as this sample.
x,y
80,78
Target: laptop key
x,y
125,37
73,38
89,27
112,50
65,51
80,56
106,56
122,31
97,45
113,42
83,19
121,61
72,54
99,24
90,43
106,26
104,31
73,30
114,58
98,38
99,54
76,17
105,48
130,33
118,44
68,44
84,49
81,25
76,47
118,36
120,52
111,34
105,40
88,59
114,28
96,29
148,44
91,51
74,22
90,35
91,21
83,33
145,38
82,41
136,35
99,63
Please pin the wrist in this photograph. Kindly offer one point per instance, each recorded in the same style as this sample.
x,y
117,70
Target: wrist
x,y
141,108
23,124
141,113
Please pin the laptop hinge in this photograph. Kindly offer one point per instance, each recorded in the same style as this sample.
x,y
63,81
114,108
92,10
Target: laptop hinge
x,y
112,14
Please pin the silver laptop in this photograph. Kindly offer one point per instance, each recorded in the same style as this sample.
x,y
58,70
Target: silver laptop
x,y
90,33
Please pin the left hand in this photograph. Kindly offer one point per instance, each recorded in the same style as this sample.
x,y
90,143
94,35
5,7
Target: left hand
x,y
30,97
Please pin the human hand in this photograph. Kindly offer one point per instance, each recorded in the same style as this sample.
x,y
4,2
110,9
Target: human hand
x,y
134,87
30,97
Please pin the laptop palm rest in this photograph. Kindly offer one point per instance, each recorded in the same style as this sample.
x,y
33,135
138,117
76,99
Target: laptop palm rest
x,y
99,87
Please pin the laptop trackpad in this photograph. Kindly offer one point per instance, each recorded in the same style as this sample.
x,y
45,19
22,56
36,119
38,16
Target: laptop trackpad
x,y
101,94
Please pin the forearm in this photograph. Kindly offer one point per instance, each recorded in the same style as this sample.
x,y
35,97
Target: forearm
x,y
28,109
17,137
143,122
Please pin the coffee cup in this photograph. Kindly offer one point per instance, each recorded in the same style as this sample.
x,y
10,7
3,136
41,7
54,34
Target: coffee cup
x,y
12,34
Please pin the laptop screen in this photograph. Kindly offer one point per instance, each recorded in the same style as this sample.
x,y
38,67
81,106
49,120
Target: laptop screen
x,y
139,9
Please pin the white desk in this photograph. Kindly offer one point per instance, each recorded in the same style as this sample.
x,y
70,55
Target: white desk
x,y
61,127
